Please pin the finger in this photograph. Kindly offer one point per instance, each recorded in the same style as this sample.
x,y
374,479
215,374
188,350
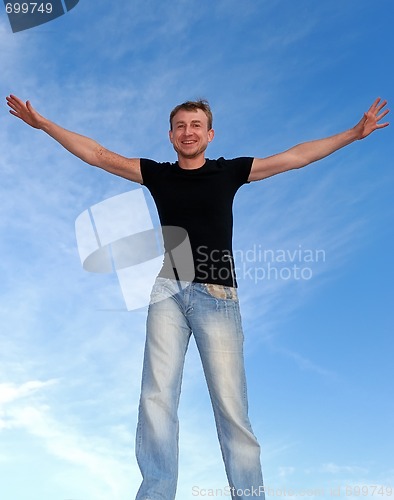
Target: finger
x,y
11,105
381,106
374,105
378,118
18,104
15,114
15,99
10,100
382,125
364,118
15,103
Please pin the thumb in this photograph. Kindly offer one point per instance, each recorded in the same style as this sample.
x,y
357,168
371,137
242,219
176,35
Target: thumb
x,y
29,106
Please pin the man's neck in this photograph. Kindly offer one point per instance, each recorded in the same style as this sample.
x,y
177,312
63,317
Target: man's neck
x,y
191,163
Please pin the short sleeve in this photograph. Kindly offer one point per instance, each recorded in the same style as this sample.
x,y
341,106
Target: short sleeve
x,y
239,168
148,170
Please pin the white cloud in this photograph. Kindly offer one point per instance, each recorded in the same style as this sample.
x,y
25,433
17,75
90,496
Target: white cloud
x,y
297,211
11,392
105,463
127,68
286,471
305,364
333,468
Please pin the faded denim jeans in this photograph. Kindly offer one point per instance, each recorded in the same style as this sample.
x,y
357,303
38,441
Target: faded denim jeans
x,y
211,314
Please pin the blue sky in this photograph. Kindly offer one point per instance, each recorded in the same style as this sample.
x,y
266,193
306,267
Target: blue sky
x,y
318,350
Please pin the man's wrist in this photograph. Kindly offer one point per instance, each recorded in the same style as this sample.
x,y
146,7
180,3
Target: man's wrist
x,y
354,134
44,124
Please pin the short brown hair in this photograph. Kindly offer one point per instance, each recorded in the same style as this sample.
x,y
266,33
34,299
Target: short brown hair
x,y
194,106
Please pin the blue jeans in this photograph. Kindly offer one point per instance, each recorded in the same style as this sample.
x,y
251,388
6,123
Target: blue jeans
x,y
211,313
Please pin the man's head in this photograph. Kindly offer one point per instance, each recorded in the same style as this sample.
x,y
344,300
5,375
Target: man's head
x,y
193,106
191,129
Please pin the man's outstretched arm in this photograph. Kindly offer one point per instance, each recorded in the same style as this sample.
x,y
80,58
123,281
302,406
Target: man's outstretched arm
x,y
308,152
84,148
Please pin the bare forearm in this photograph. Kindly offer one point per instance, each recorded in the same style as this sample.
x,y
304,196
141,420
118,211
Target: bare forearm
x,y
301,155
83,147
308,152
92,152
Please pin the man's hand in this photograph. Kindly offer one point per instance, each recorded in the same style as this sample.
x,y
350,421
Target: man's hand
x,y
25,111
370,120
308,152
83,147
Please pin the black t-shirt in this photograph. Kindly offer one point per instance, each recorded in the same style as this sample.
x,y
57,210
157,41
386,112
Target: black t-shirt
x,y
200,202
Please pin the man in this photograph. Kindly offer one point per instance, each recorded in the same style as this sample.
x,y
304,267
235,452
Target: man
x,y
196,194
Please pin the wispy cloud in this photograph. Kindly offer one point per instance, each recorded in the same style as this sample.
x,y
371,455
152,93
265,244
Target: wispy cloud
x,y
286,471
12,392
296,214
70,371
106,465
333,468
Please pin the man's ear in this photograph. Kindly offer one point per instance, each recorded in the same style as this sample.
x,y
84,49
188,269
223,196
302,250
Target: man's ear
x,y
211,135
170,135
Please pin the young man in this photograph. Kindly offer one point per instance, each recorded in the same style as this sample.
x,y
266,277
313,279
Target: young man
x,y
196,194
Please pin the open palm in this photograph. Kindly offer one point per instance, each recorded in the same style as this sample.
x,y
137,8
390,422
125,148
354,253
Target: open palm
x,y
370,120
24,111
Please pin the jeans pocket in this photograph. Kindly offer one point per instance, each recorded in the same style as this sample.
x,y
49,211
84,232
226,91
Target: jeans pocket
x,y
221,291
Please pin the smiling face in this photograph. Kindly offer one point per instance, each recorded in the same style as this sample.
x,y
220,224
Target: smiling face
x,y
190,134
